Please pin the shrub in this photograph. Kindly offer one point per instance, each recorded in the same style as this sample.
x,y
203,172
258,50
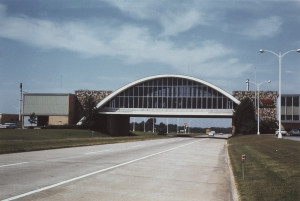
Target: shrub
x,y
269,126
244,117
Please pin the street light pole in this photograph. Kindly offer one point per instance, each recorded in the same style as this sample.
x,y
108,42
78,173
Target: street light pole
x,y
257,88
133,124
144,125
255,82
153,124
279,55
21,98
167,125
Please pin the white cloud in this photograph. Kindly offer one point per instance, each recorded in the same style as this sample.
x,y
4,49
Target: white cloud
x,y
175,23
130,43
47,34
266,27
174,17
140,9
177,17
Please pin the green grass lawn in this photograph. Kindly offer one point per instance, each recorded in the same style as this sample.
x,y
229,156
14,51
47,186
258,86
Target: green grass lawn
x,y
17,140
272,167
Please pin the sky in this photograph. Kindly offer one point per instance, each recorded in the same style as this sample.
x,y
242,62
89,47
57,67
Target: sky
x,y
59,46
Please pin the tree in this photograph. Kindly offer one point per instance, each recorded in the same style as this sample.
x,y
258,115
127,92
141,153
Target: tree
x,y
162,128
149,124
32,118
90,113
269,126
244,117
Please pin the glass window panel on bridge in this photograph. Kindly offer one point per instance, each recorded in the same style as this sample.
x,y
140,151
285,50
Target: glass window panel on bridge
x,y
173,93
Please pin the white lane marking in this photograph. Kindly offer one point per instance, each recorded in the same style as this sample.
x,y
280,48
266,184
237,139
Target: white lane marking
x,y
136,146
96,172
95,152
13,164
63,158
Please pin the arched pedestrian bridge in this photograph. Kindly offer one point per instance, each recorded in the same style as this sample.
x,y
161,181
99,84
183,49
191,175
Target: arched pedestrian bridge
x,y
165,95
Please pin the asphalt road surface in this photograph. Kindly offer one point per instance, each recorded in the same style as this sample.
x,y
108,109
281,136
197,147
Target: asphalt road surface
x,y
294,138
169,169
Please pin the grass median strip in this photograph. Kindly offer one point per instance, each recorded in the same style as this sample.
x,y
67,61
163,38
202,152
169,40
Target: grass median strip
x,y
271,167
17,140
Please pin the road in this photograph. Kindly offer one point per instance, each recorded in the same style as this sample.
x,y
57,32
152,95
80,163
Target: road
x,y
294,138
168,169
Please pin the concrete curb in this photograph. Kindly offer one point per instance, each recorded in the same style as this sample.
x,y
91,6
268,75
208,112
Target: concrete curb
x,y
234,191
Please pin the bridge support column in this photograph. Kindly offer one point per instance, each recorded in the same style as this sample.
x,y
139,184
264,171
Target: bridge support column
x,y
233,129
118,125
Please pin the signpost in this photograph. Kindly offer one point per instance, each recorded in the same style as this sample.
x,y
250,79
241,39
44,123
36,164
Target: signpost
x,y
185,126
243,161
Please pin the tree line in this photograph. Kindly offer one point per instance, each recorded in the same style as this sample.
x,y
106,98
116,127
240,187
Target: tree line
x,y
172,128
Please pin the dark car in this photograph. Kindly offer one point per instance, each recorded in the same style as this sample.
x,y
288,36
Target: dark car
x,y
294,132
162,132
8,125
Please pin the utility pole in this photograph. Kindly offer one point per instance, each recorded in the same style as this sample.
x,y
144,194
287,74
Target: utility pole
x,y
133,124
153,124
167,125
21,100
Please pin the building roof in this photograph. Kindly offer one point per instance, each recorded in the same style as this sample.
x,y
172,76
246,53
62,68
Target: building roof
x,y
47,94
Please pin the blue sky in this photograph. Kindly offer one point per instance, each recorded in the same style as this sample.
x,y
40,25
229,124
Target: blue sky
x,y
59,46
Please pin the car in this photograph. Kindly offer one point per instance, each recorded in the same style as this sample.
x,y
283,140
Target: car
x,y
211,133
283,132
294,132
162,132
9,125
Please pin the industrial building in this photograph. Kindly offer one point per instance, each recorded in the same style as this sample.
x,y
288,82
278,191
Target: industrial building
x,y
50,109
57,108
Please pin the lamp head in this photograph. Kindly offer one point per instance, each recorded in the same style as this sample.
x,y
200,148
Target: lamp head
x,y
262,51
298,50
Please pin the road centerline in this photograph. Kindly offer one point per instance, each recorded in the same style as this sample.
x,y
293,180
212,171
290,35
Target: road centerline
x,y
136,146
96,152
13,164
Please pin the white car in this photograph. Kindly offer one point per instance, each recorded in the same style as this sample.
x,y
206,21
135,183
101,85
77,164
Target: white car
x,y
211,133
283,132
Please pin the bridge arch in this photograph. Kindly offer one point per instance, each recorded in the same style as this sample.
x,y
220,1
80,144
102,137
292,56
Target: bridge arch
x,y
169,95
